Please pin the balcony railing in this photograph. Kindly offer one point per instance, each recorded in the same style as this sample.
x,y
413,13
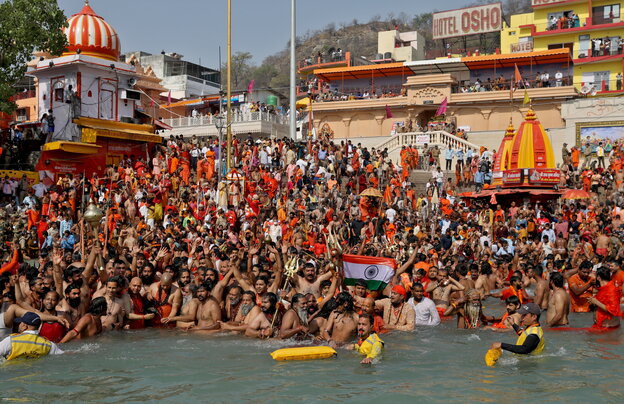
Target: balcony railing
x,y
571,24
593,52
601,86
237,117
471,86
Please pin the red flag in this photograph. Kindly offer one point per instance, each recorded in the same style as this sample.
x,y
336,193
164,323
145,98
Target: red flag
x,y
250,87
493,200
169,98
517,75
388,112
151,103
442,108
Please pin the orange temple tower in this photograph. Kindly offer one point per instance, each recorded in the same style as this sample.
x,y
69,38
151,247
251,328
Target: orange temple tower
x,y
526,159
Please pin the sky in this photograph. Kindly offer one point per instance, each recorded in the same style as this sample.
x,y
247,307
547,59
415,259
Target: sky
x,y
196,28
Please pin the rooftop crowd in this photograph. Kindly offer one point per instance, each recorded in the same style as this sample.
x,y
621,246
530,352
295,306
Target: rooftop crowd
x,y
178,249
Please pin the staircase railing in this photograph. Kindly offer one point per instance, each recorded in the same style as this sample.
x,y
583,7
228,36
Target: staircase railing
x,y
417,139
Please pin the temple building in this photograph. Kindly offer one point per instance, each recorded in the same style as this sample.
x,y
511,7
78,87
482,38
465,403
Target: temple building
x,y
100,113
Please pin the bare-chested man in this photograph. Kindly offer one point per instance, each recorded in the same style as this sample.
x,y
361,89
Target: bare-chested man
x,y
208,312
73,305
341,326
246,311
268,321
115,314
534,275
558,303
295,321
90,324
487,280
310,282
441,289
603,245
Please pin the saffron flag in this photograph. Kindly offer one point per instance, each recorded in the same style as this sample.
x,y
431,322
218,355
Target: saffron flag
x,y
517,75
442,108
377,272
250,87
526,97
12,266
388,112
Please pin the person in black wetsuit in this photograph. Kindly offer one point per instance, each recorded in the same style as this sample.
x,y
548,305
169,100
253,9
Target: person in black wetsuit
x,y
530,333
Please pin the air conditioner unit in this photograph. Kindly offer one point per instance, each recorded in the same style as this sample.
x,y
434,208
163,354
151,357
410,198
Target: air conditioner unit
x,y
130,95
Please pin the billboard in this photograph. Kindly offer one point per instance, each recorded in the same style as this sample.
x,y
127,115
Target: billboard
x,y
468,21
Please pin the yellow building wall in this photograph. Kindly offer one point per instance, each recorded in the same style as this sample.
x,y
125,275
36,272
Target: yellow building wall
x,y
539,17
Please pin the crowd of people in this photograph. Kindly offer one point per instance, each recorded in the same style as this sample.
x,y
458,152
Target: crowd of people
x,y
502,83
260,255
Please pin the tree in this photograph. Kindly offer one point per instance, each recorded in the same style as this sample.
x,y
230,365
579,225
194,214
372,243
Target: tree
x,y
26,26
241,70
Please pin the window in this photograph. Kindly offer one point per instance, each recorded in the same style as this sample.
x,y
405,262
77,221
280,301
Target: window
x,y
59,94
22,114
583,46
606,14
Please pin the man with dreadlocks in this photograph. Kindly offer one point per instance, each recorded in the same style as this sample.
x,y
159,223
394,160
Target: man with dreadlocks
x,y
469,311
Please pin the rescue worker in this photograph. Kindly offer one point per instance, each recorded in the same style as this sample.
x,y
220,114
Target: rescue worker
x,y
369,343
27,343
530,335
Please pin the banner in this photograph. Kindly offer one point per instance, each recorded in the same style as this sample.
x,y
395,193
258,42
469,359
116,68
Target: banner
x,y
33,176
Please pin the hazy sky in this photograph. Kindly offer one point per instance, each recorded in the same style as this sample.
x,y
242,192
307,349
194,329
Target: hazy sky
x,y
196,28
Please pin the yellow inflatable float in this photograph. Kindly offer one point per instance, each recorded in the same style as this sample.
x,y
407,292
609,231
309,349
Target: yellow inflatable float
x,y
492,356
303,353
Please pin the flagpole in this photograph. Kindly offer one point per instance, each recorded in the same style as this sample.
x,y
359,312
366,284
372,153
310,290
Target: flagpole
x,y
228,155
293,94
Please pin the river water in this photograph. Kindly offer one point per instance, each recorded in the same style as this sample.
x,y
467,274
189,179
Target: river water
x,y
433,365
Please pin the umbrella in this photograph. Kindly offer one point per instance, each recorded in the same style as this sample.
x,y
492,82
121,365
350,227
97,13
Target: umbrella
x,y
575,194
372,192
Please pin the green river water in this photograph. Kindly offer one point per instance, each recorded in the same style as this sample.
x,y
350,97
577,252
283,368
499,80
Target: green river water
x,y
432,365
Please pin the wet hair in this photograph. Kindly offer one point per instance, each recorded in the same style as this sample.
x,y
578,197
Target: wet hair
x,y
514,279
421,272
361,282
98,306
297,297
214,271
325,284
272,298
327,309
417,285
207,284
345,298
71,287
486,269
557,279
513,300
370,318
33,282
538,270
462,270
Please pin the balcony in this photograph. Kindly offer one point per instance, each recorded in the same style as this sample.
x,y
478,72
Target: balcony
x,y
567,91
592,55
257,123
237,117
573,26
335,59
602,87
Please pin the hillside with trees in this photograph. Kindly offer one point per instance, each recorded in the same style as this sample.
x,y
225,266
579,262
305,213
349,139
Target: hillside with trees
x,y
360,38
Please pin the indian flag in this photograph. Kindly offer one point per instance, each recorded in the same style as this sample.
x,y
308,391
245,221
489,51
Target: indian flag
x,y
376,271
